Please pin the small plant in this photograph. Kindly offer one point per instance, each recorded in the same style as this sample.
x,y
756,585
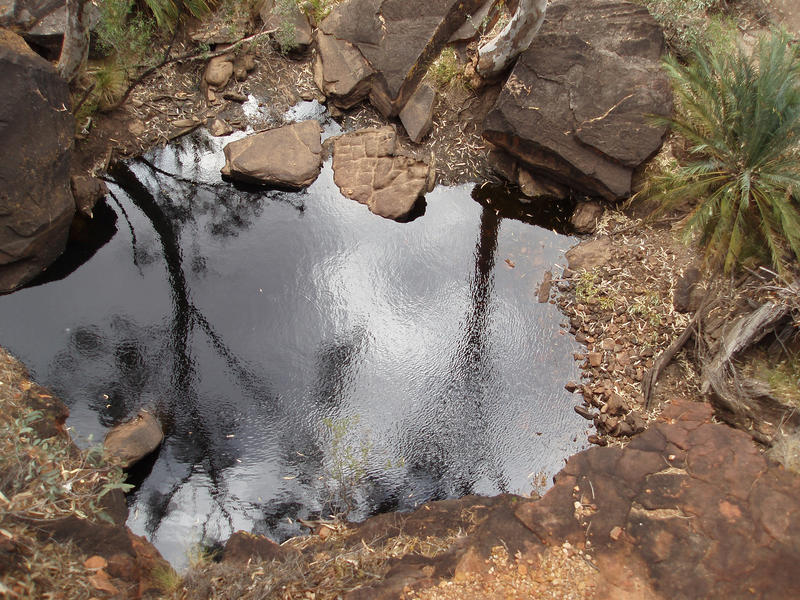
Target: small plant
x,y
587,290
647,307
686,23
285,36
167,12
348,463
445,70
740,114
317,10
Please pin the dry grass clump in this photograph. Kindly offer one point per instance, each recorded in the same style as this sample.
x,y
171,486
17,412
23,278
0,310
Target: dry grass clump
x,y
316,569
42,479
559,574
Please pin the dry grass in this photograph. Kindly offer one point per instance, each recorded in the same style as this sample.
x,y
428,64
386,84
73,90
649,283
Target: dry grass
x,y
40,480
325,569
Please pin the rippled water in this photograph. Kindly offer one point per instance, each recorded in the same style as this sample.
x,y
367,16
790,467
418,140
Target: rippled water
x,y
304,354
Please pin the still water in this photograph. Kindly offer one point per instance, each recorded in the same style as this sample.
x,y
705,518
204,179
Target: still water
x,y
304,355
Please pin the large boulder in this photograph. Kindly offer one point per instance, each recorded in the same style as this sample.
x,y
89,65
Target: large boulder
x,y
36,128
578,105
285,157
366,169
396,38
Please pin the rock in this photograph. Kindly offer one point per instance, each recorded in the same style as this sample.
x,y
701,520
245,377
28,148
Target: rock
x,y
586,216
367,170
473,23
590,254
543,293
286,157
616,405
341,72
243,546
219,71
36,127
397,38
584,412
571,386
595,358
219,127
687,297
539,186
46,34
87,192
576,106
287,17
417,114
133,440
235,97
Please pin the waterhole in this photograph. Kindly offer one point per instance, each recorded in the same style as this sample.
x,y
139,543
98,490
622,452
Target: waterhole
x,y
305,356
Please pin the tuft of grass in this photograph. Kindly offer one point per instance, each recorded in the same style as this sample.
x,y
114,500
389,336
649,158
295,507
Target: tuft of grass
x,y
317,10
689,23
740,115
445,71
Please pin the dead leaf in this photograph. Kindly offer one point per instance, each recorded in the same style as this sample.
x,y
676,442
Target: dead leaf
x,y
95,563
510,263
101,582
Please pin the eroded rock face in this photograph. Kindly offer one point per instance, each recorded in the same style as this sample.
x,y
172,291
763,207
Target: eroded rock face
x,y
286,157
397,38
367,170
576,106
131,441
417,114
36,127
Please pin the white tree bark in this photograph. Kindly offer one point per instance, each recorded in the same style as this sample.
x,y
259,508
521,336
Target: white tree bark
x,y
497,54
75,48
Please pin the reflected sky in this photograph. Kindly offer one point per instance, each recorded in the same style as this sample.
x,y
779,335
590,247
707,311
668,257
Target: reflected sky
x,y
278,335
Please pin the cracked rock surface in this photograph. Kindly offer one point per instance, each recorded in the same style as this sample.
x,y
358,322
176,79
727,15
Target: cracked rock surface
x,y
576,106
367,170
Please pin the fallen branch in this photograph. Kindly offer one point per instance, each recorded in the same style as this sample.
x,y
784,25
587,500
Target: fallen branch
x,y
196,55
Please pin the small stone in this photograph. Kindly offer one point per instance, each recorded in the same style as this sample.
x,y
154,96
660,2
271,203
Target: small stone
x,y
584,412
598,441
571,386
615,533
595,359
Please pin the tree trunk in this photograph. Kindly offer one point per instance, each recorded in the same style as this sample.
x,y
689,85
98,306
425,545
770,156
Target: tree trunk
x,y
497,54
75,47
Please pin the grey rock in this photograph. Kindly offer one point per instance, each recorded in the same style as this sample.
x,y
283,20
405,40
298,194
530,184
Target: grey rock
x,y
576,106
586,215
417,114
36,129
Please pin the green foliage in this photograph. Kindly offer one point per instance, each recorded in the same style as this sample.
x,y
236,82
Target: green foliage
x,y
167,12
688,23
45,478
285,36
124,33
348,462
588,290
740,114
317,10
445,70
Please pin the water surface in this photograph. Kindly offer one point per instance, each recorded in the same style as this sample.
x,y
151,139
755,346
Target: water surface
x,y
305,355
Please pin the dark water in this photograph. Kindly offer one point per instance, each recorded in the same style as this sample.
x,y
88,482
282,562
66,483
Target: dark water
x,y
305,355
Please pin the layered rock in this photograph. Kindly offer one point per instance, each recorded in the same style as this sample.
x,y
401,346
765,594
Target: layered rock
x,y
36,126
366,169
577,106
285,157
396,39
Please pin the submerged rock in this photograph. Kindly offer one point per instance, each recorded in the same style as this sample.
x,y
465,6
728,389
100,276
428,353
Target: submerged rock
x,y
36,126
286,157
577,105
366,169
130,442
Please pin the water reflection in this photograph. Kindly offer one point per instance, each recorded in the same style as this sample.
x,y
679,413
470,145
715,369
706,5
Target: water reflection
x,y
250,319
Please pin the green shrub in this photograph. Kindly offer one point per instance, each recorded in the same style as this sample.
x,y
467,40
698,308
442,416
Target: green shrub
x,y
167,12
686,23
740,115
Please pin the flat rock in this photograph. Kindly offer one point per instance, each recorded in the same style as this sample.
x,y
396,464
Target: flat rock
x,y
586,215
366,169
417,114
589,254
36,129
286,157
133,440
397,38
576,106
219,127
